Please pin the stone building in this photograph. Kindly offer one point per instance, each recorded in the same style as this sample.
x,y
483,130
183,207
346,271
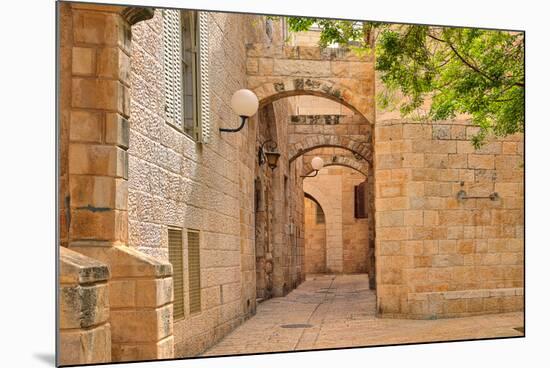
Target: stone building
x,y
171,231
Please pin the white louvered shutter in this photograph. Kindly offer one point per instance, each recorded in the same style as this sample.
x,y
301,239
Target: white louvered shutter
x,y
203,82
172,66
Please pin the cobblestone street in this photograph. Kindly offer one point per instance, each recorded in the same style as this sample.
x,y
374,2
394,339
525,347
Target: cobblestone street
x,y
330,311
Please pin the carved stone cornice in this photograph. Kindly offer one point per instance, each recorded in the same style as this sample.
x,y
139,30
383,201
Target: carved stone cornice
x,y
134,14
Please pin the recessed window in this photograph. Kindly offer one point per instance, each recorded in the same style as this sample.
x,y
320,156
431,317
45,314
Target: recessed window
x,y
185,38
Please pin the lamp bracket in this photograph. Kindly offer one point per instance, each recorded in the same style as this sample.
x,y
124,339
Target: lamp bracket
x,y
234,130
310,176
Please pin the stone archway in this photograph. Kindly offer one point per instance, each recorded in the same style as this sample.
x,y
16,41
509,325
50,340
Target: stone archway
x,y
279,70
312,142
290,86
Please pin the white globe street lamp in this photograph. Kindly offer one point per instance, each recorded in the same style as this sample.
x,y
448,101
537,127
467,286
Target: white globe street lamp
x,y
244,103
317,164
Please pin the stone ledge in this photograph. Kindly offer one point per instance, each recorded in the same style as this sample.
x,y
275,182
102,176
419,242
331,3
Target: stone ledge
x,y
76,268
127,262
287,52
466,294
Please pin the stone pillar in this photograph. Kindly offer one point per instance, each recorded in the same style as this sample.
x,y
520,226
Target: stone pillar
x,y
278,236
371,259
97,167
84,329
98,129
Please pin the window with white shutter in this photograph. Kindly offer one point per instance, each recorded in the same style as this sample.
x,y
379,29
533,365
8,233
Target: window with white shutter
x,y
173,81
187,99
204,86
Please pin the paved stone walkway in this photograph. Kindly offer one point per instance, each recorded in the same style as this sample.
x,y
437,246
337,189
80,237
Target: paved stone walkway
x,y
340,311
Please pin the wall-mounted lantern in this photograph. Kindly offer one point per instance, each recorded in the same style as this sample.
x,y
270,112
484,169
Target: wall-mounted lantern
x,y
244,103
317,164
268,153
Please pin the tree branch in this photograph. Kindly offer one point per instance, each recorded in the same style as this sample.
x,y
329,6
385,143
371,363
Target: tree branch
x,y
468,64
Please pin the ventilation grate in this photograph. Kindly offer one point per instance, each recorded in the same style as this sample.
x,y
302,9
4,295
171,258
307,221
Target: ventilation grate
x,y
193,244
175,256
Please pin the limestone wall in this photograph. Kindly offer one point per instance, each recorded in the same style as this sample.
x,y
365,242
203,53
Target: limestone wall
x,y
438,256
177,182
94,89
282,260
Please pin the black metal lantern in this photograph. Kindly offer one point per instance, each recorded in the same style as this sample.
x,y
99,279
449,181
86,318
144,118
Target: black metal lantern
x,y
268,153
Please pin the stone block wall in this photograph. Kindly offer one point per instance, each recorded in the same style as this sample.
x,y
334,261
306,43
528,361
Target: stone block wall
x,y
175,181
95,54
437,255
141,296
84,328
279,220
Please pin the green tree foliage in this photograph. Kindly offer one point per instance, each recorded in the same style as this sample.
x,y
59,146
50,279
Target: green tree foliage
x,y
462,70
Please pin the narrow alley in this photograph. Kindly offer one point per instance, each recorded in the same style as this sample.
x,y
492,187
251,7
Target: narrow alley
x,y
334,311
230,185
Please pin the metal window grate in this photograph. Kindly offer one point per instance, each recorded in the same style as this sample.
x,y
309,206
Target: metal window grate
x,y
193,251
175,256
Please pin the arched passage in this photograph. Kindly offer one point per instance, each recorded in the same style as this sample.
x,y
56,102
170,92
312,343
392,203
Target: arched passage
x,y
333,90
277,72
347,231
362,149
